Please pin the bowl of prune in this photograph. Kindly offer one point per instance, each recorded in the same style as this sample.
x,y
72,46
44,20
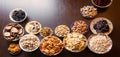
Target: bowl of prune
x,y
101,25
102,3
18,15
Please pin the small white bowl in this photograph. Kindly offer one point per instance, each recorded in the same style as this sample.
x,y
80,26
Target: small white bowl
x,y
17,9
102,6
46,28
30,25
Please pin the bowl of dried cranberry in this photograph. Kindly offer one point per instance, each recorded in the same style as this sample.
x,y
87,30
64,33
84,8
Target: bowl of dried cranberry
x,y
18,15
102,3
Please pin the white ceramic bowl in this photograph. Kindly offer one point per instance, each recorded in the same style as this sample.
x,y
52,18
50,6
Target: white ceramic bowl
x,y
17,9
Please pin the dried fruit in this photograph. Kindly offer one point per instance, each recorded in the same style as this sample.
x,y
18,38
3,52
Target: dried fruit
x,y
13,31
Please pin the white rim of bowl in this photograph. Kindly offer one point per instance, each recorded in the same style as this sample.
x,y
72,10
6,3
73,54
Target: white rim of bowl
x,y
11,12
100,52
102,6
33,49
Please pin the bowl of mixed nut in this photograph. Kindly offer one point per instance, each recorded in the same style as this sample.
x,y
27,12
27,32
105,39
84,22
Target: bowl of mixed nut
x,y
88,11
29,42
62,30
79,26
100,43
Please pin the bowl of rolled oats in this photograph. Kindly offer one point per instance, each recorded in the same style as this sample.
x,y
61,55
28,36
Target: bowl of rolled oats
x,y
51,45
75,42
100,43
29,43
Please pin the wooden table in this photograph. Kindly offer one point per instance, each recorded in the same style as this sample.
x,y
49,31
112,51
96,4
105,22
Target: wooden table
x,y
55,12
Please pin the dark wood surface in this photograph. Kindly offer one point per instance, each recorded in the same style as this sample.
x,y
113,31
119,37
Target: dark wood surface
x,y
55,12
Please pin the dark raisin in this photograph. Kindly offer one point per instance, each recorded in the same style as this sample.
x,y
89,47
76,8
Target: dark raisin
x,y
18,15
101,26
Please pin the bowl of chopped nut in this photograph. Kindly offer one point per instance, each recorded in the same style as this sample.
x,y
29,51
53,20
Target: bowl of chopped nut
x,y
62,30
100,43
88,11
79,26
29,43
